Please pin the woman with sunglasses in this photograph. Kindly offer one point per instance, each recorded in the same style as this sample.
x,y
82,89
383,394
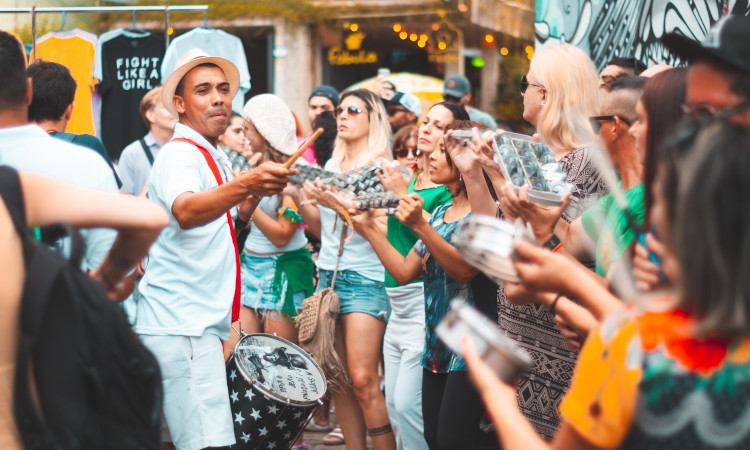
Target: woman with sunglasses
x,y
363,137
451,408
405,147
560,93
404,336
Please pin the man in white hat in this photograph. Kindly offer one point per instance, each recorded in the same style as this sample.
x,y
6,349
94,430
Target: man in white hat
x,y
190,292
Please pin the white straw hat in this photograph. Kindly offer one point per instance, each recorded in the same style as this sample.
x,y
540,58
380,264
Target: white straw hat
x,y
190,60
274,121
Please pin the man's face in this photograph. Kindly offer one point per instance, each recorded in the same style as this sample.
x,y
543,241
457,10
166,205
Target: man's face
x,y
204,102
708,88
317,105
398,116
160,117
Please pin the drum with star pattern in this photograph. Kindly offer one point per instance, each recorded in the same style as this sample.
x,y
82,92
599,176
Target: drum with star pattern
x,y
274,388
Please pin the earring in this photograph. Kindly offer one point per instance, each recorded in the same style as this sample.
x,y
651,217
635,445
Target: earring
x,y
460,177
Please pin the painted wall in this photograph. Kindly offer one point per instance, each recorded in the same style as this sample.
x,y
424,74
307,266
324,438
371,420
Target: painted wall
x,y
627,28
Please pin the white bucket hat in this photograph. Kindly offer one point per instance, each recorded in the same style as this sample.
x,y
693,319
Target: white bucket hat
x,y
190,60
274,121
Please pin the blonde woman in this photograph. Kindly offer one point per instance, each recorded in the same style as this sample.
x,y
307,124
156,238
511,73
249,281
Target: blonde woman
x,y
560,92
363,137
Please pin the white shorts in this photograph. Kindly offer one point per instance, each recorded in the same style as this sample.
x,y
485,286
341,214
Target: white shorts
x,y
196,400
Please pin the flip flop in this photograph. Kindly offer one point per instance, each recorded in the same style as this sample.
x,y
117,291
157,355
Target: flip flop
x,y
335,437
312,425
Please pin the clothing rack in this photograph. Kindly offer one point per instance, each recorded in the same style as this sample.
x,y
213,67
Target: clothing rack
x,y
104,9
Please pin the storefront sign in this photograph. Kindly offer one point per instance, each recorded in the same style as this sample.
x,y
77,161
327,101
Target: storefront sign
x,y
353,54
444,44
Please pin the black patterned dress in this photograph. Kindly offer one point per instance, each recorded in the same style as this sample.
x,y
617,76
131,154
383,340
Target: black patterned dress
x,y
541,389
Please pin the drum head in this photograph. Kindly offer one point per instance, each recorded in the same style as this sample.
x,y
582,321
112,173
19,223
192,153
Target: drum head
x,y
280,367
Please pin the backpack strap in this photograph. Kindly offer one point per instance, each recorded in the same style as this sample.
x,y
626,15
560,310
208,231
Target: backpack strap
x,y
147,151
36,292
10,191
215,170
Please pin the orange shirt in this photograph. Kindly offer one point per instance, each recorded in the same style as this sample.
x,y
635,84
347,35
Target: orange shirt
x,y
75,50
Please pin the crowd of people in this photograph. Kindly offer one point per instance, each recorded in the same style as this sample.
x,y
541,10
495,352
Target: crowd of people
x,y
632,298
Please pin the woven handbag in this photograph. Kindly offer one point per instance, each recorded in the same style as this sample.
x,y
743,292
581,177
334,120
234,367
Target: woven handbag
x,y
316,325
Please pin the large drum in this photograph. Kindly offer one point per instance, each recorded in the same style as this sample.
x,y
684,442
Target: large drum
x,y
274,388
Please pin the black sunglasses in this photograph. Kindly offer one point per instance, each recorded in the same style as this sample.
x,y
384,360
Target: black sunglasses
x,y
525,84
351,110
404,152
450,98
597,126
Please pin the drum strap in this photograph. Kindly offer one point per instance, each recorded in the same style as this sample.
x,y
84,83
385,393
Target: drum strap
x,y
338,257
215,170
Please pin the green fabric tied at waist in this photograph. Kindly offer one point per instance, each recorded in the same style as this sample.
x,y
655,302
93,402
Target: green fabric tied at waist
x,y
298,267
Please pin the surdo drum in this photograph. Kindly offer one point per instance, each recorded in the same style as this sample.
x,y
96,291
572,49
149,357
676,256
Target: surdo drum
x,y
274,388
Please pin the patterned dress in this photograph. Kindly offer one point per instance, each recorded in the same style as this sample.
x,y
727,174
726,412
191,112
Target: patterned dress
x,y
541,388
644,381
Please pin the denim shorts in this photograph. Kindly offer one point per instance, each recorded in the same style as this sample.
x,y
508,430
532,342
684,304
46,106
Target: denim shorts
x,y
257,283
357,293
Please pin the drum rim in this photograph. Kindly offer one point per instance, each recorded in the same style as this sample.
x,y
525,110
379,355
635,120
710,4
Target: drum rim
x,y
254,383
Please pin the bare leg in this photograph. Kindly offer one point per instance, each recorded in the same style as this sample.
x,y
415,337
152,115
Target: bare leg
x,y
348,412
364,347
276,322
251,322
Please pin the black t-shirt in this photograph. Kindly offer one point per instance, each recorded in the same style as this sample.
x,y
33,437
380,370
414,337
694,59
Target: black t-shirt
x,y
131,66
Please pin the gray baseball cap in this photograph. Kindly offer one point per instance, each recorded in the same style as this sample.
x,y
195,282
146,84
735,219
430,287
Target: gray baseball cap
x,y
456,86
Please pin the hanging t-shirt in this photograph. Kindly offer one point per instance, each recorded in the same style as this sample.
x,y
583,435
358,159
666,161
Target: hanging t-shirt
x,y
74,49
214,42
130,65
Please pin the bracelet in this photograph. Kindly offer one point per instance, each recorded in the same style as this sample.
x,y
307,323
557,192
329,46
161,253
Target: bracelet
x,y
554,303
553,244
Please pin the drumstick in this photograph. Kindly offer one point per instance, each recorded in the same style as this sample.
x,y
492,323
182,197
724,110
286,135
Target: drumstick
x,y
302,148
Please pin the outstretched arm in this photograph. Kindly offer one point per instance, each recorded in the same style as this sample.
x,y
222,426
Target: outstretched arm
x,y
195,209
403,269
138,221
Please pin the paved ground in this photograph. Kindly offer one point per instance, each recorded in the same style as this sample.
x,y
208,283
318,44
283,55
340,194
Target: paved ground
x,y
315,439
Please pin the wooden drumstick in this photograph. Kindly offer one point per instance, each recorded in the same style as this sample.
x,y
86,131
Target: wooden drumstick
x,y
303,147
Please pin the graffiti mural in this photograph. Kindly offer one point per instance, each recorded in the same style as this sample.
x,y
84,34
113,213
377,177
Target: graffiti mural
x,y
627,28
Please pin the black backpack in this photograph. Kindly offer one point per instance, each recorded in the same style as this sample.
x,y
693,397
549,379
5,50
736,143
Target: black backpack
x,y
97,385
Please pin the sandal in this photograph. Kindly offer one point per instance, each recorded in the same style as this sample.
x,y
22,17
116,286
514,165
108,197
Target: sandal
x,y
312,425
335,437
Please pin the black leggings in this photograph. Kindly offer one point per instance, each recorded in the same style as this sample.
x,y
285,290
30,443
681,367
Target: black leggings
x,y
452,409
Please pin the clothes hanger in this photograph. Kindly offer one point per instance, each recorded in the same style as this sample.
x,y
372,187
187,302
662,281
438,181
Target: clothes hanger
x,y
63,25
205,22
134,28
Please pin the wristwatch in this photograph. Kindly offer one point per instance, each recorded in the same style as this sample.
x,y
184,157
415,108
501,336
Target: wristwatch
x,y
553,244
240,224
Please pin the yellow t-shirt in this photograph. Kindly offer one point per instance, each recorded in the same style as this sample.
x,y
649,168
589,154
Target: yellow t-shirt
x,y
75,50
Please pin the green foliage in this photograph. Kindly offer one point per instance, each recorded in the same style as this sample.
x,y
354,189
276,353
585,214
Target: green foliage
x,y
509,101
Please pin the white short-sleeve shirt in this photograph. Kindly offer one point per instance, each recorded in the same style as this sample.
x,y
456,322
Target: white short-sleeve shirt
x,y
189,283
29,148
